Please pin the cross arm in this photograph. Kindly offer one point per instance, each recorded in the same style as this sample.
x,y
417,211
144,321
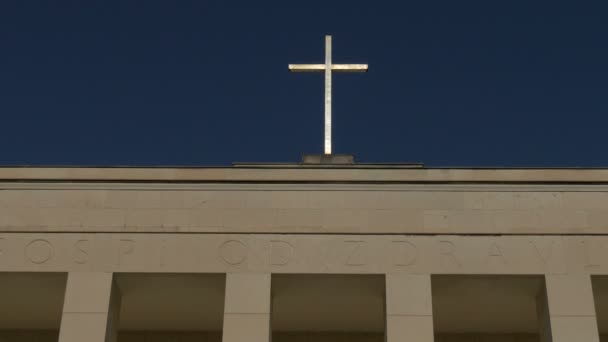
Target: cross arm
x,y
349,67
306,67
334,67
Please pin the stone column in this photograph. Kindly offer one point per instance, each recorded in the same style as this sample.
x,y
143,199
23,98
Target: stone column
x,y
247,307
409,310
90,309
567,310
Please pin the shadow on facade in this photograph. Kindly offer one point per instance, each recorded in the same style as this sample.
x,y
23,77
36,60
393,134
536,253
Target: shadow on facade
x,y
325,308
488,308
600,294
171,307
31,306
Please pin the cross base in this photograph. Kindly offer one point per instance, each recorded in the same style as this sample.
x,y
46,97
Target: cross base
x,y
328,159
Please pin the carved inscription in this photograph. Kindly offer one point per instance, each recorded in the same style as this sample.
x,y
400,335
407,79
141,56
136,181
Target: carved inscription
x,y
39,251
355,253
281,252
404,253
81,254
543,249
304,254
126,248
162,252
495,253
233,252
447,250
590,251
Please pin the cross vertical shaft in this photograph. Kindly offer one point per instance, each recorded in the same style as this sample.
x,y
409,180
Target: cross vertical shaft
x,y
328,68
327,94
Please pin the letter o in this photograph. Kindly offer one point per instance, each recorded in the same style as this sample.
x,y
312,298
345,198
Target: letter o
x,y
233,252
39,251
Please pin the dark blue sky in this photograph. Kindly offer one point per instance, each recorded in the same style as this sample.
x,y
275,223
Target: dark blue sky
x,y
451,83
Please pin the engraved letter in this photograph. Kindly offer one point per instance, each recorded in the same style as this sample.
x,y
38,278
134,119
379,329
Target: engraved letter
x,y
495,251
233,252
163,250
405,253
354,257
447,249
127,247
281,252
544,253
39,251
588,250
82,255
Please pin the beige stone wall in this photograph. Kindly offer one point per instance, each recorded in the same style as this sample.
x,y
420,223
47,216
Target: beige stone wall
x,y
250,223
305,173
277,253
371,209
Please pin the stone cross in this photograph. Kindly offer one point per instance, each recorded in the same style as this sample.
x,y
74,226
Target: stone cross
x,y
328,67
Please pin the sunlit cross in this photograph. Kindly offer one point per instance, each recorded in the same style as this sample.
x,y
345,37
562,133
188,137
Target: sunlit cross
x,y
328,67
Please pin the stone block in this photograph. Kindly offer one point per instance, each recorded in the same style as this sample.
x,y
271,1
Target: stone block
x,y
393,220
408,294
120,199
19,217
95,198
325,199
245,219
570,295
328,159
206,218
61,217
516,220
598,220
299,219
345,219
79,327
409,328
589,200
246,327
178,218
140,218
87,292
247,293
574,329
148,200
538,200
569,220
106,218
293,199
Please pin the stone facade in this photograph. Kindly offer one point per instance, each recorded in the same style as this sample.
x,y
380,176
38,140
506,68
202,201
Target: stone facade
x,y
298,253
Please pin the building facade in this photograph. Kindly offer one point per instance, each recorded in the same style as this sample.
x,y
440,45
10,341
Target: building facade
x,y
303,253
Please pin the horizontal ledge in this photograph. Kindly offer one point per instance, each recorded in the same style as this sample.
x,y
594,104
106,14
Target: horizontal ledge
x,y
247,313
298,174
302,186
334,67
85,312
